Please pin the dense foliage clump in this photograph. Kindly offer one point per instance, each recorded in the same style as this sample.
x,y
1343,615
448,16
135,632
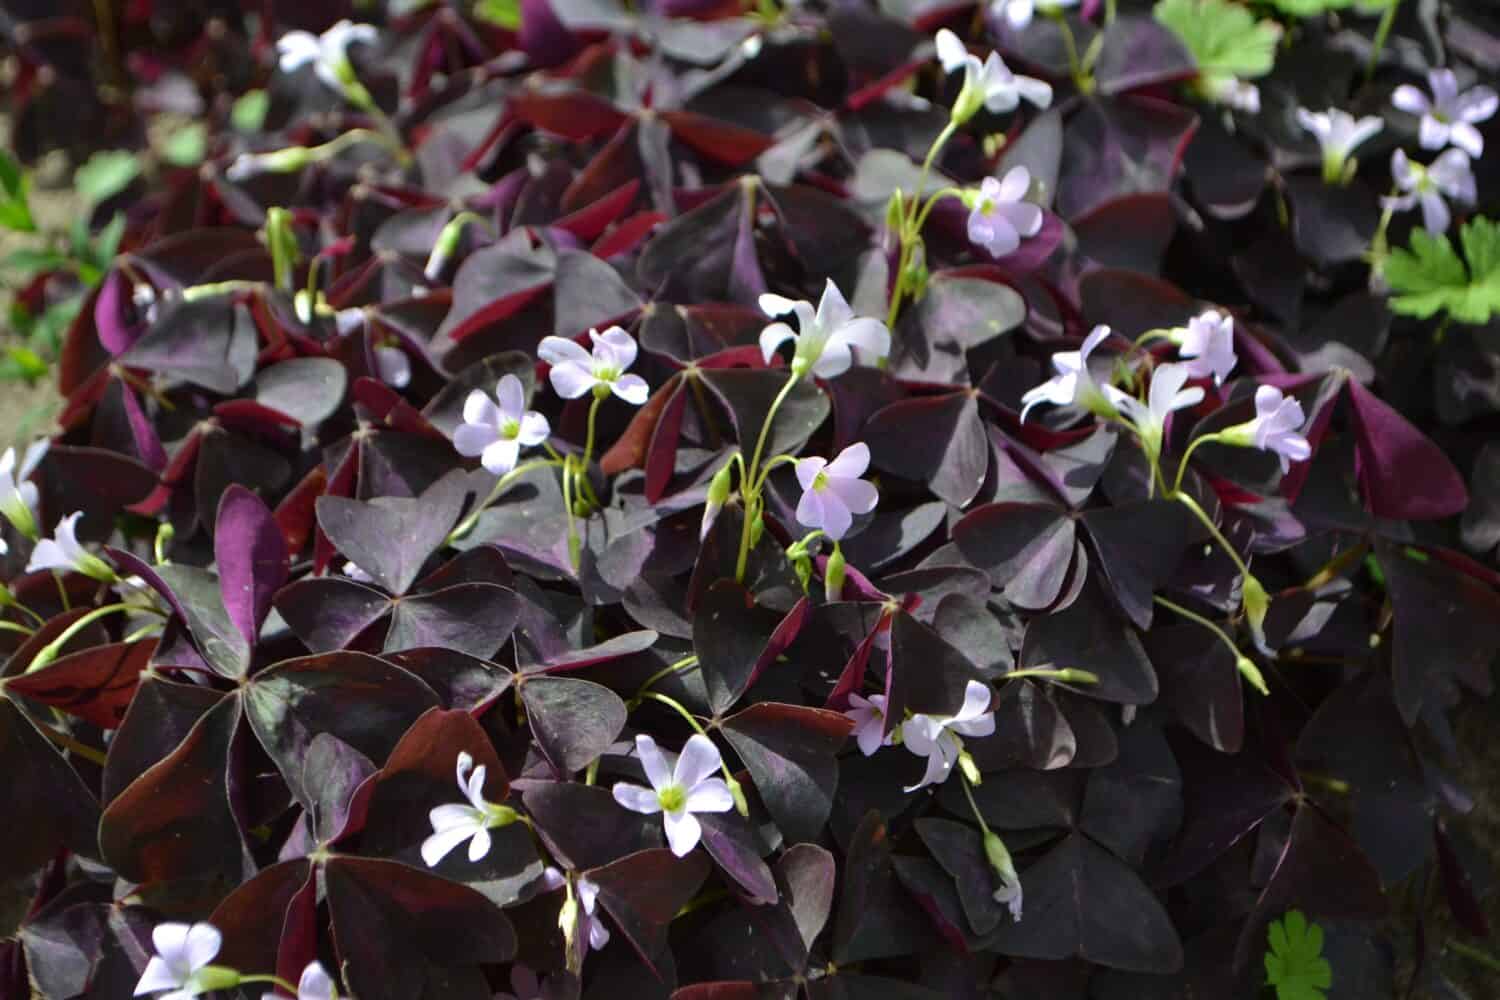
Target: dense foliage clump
x,y
566,499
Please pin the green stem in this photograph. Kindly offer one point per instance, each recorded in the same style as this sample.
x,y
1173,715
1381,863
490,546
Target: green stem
x,y
49,652
752,495
1484,958
17,627
939,195
276,981
969,794
1075,68
588,453
686,663
1183,464
69,743
574,546
1193,616
773,463
467,524
62,590
675,706
1065,675
1382,32
910,227
1213,530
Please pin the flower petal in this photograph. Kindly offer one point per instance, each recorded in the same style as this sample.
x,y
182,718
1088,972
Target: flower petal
x,y
1410,99
807,470
856,494
773,337
699,759
658,771
511,395
683,832
480,409
437,846
202,944
852,462
811,512
631,388
315,983
560,350
636,799
480,845
471,439
711,795
621,347
158,976
499,457
571,380
534,429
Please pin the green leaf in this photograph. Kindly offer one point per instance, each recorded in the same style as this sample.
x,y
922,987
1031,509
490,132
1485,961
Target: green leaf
x,y
1429,277
249,112
187,146
23,363
15,212
1295,965
1225,39
505,13
28,262
1309,8
105,175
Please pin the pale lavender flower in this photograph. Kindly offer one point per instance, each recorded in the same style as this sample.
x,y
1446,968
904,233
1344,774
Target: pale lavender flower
x,y
833,492
18,495
1165,396
64,553
1448,116
998,215
183,951
1449,175
314,984
990,84
824,338
452,823
1073,384
1276,428
393,365
590,927
576,371
869,722
1018,13
1338,133
328,53
678,793
497,433
1208,345
936,737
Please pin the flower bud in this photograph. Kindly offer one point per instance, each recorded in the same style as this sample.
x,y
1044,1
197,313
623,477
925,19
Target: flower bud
x,y
1251,673
718,492
214,977
895,212
1256,603
969,768
998,856
444,248
833,576
1072,675
737,792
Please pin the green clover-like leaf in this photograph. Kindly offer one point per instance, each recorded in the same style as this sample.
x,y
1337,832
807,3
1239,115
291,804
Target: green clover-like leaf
x,y
1429,276
1295,965
1225,39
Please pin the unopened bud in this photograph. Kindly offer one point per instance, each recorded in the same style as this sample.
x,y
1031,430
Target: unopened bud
x,y
969,768
212,977
718,492
737,792
833,575
1251,673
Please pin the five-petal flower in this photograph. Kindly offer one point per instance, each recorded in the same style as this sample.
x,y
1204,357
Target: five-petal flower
x,y
1207,343
833,492
64,553
183,951
1450,174
998,214
1018,13
1165,396
576,371
1338,134
18,495
869,722
497,433
328,53
453,823
1276,428
1073,384
314,984
990,84
1448,116
824,338
936,737
677,793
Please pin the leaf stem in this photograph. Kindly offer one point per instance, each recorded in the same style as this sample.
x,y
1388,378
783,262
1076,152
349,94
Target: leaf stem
x,y
1183,463
1213,529
686,663
1382,32
1484,958
752,493
467,524
69,743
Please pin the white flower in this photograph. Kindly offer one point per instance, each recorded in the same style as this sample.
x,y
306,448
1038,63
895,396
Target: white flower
x,y
998,215
1448,116
990,84
575,371
63,553
452,824
677,793
936,737
1165,396
869,722
1018,13
183,952
498,433
591,927
1208,344
328,53
392,364
1073,384
1338,134
315,984
824,339
1232,92
833,492
1008,892
1450,174
1276,428
18,495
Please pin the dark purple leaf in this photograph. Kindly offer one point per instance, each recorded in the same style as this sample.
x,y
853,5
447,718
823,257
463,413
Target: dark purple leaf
x,y
789,751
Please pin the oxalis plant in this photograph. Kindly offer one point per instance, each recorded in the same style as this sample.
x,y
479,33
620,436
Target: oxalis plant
x,y
708,503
